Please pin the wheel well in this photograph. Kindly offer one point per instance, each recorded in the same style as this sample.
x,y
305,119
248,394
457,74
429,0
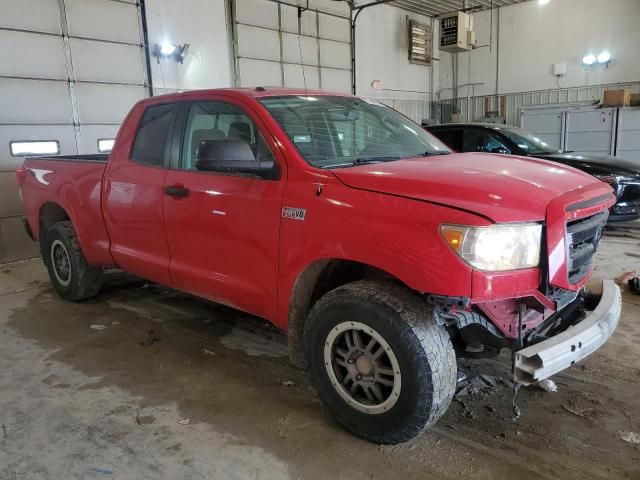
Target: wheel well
x,y
51,213
312,284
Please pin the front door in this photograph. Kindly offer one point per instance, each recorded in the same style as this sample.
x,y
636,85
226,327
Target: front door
x,y
223,228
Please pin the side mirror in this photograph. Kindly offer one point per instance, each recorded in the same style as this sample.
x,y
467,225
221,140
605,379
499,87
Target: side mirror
x,y
500,150
232,156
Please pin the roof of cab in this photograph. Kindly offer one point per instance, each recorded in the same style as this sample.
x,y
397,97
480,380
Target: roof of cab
x,y
255,92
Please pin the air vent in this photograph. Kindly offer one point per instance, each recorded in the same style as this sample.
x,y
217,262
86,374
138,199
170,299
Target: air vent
x,y
420,43
456,33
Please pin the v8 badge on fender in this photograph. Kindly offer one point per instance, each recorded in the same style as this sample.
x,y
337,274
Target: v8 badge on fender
x,y
293,213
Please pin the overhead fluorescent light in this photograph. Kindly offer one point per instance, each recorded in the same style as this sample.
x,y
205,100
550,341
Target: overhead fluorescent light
x,y
105,145
34,147
543,2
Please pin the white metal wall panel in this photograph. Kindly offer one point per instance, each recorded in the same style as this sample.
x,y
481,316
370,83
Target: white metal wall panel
x,y
295,78
28,55
333,28
64,134
291,49
33,102
258,43
336,80
260,72
39,15
331,6
629,134
106,104
547,126
107,62
91,134
335,54
590,131
258,13
104,20
308,23
265,30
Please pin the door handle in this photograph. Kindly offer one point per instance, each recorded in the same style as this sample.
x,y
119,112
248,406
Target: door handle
x,y
177,191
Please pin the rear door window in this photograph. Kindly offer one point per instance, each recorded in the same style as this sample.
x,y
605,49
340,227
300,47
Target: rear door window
x,y
151,138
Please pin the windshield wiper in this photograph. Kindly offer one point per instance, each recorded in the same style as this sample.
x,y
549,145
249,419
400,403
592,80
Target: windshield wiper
x,y
366,160
362,161
433,154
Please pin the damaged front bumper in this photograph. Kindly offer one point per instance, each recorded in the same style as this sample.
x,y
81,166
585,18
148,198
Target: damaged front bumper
x,y
553,355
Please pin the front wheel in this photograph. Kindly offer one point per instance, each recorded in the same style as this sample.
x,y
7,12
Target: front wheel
x,y
379,362
71,276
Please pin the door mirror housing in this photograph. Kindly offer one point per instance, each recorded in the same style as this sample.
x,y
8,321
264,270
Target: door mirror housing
x,y
233,156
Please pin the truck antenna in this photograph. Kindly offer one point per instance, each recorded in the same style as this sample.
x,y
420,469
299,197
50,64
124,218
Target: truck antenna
x,y
306,97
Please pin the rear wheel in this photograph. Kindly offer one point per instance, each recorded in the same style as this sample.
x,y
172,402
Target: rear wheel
x,y
71,276
379,362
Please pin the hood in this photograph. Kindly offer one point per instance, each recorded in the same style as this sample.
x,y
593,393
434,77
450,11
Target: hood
x,y
501,187
596,164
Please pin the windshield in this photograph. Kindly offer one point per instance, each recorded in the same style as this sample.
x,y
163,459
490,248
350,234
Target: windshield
x,y
527,141
345,131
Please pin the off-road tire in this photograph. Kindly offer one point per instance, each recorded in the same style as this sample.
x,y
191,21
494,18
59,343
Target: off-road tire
x,y
84,280
423,350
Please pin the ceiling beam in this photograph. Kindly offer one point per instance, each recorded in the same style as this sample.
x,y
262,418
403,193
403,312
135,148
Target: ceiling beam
x,y
439,7
415,5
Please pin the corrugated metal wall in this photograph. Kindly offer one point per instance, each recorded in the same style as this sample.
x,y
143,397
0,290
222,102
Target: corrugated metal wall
x,y
416,110
475,109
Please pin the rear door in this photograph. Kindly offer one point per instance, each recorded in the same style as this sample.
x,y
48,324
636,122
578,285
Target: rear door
x,y
223,228
133,194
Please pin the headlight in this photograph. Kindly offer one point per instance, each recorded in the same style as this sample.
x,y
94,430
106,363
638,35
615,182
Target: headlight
x,y
496,248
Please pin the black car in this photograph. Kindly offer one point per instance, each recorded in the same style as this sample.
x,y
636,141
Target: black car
x,y
622,175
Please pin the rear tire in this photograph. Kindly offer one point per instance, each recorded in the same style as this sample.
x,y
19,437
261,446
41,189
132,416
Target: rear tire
x,y
380,363
71,276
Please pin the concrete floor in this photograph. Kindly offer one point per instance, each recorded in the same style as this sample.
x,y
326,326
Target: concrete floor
x,y
177,388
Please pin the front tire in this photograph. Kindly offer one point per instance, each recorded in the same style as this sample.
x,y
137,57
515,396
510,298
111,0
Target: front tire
x,y
71,276
380,363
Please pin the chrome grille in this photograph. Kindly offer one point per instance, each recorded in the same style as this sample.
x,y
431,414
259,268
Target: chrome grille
x,y
583,236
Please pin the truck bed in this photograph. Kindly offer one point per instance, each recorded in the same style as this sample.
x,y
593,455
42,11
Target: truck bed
x,y
73,183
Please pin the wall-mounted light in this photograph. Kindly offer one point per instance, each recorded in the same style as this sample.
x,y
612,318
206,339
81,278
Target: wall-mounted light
x,y
603,58
543,2
105,145
167,49
34,147
170,51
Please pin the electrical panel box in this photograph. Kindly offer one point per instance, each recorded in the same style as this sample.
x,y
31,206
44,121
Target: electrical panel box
x,y
456,33
559,69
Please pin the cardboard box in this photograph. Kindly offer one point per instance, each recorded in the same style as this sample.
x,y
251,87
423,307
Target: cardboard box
x,y
635,99
617,98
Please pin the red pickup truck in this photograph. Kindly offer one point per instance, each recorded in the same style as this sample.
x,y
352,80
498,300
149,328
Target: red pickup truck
x,y
381,253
